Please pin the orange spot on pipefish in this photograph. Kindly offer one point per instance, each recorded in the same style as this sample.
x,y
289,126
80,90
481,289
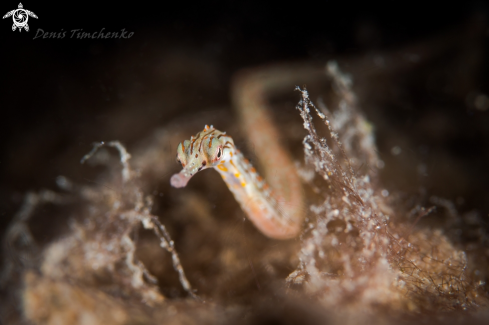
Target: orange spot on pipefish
x,y
221,167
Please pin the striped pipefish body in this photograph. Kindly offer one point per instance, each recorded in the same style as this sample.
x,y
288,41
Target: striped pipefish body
x,y
268,209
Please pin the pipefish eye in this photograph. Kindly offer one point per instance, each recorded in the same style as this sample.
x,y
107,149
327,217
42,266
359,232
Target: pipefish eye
x,y
219,153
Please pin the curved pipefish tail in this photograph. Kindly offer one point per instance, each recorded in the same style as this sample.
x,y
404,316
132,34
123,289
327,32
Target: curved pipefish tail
x,y
250,92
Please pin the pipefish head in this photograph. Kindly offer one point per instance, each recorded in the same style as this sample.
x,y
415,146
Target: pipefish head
x,y
204,150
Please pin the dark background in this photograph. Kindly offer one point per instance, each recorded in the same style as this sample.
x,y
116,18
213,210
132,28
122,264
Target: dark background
x,y
59,94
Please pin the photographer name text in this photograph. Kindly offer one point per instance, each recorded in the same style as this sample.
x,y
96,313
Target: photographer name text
x,y
80,34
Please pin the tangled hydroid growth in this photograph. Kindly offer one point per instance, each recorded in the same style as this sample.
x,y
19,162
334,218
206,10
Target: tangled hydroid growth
x,y
80,274
353,254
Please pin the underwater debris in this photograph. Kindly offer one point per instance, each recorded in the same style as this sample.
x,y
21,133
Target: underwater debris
x,y
355,253
95,256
